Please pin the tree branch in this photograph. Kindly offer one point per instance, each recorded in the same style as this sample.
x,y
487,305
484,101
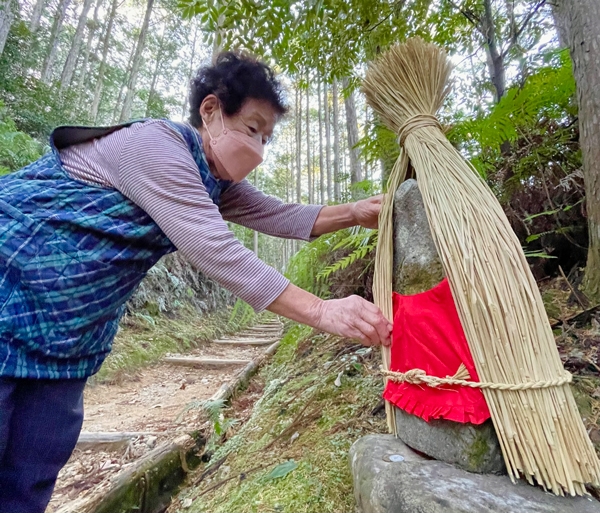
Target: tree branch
x,y
523,26
471,17
393,9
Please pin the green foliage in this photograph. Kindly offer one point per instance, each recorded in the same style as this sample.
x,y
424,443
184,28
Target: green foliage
x,y
281,470
330,258
174,284
547,94
360,243
331,36
143,339
215,411
306,467
526,147
242,315
35,106
17,149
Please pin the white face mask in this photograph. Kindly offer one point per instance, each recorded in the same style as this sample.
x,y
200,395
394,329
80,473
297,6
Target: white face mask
x,y
236,154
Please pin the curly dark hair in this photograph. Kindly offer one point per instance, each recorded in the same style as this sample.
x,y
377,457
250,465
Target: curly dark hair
x,y
235,77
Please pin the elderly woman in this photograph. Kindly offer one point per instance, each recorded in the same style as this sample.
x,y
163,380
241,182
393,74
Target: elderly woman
x,y
80,228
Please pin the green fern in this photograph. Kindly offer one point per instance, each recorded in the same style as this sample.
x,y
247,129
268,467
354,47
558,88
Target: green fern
x,y
560,230
358,254
546,94
312,267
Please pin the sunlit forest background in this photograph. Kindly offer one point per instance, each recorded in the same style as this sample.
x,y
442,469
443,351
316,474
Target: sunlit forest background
x,y
512,112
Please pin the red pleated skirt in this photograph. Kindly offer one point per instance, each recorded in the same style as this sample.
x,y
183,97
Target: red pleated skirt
x,y
428,335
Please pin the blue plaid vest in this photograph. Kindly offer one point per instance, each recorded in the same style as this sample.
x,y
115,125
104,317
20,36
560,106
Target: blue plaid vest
x,y
71,255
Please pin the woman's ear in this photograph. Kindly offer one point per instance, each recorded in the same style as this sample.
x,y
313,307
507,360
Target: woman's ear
x,y
208,107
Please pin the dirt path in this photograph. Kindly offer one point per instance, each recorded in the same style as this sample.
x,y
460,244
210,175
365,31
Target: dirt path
x,y
157,401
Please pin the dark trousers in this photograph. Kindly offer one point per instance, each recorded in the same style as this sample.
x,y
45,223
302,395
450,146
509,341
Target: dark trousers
x,y
40,421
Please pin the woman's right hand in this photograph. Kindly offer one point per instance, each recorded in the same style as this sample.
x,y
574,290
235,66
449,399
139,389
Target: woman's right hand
x,y
354,317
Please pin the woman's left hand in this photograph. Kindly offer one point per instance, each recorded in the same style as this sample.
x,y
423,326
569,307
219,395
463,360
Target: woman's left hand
x,y
366,212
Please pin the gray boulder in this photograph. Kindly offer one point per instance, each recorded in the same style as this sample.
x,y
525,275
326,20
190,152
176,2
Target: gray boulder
x,y
391,478
417,268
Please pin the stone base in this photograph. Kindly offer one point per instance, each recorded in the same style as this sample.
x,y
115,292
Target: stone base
x,y
470,447
391,478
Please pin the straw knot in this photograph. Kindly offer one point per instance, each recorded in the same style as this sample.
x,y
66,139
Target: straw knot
x,y
413,376
414,123
420,377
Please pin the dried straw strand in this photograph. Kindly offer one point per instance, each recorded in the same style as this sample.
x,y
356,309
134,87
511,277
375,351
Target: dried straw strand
x,y
541,433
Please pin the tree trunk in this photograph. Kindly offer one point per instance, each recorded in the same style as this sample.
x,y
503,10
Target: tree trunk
x,y
336,143
59,18
116,114
562,28
105,46
184,108
69,67
155,74
88,50
311,197
298,145
327,145
7,16
580,19
136,64
352,127
321,166
36,16
495,59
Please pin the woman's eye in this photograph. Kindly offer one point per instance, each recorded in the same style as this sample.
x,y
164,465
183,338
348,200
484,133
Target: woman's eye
x,y
252,129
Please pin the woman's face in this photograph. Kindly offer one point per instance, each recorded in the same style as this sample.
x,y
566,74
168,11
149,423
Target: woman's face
x,y
256,119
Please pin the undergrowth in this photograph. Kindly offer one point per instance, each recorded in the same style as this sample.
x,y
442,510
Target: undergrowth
x,y
291,455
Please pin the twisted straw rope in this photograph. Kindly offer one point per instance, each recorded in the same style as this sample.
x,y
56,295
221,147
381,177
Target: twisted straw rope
x,y
414,123
420,377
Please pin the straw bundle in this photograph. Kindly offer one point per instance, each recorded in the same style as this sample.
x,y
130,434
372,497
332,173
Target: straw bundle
x,y
499,305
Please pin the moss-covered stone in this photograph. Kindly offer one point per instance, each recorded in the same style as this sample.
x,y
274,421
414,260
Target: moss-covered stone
x,y
413,279
479,450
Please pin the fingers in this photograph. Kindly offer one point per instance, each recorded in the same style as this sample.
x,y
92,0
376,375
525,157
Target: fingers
x,y
367,211
356,318
372,316
369,335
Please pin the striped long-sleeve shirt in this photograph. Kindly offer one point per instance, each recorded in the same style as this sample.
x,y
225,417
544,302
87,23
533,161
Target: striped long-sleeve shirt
x,y
150,164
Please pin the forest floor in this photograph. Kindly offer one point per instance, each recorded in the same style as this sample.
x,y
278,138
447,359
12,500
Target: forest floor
x,y
288,450
152,397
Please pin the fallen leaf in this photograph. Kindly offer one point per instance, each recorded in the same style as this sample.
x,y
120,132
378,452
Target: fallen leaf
x,y
338,380
282,470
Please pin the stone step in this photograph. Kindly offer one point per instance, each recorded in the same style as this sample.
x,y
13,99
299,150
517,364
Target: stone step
x,y
204,362
107,441
270,333
246,342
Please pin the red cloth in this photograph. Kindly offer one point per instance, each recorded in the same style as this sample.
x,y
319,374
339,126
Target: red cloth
x,y
428,335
